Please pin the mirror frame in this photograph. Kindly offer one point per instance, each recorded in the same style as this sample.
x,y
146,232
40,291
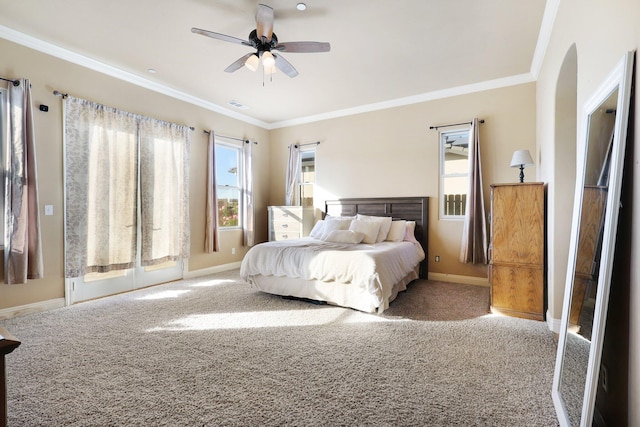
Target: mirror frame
x,y
618,79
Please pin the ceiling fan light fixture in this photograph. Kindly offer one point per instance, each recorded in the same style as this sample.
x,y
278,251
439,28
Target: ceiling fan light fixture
x,y
268,60
252,62
270,70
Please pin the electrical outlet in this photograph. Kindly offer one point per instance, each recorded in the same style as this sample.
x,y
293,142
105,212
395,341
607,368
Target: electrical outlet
x,y
604,378
437,258
233,251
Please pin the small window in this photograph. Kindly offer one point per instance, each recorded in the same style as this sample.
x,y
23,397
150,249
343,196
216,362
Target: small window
x,y
307,176
454,173
228,180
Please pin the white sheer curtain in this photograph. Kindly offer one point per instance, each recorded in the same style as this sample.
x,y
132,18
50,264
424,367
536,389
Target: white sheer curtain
x,y
292,174
101,183
248,226
474,235
164,189
212,232
107,151
23,250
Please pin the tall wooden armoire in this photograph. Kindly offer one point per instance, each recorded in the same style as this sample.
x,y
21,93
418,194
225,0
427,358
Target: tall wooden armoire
x,y
517,256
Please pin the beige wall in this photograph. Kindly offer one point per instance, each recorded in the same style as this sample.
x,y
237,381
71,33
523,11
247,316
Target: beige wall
x,y
46,74
384,153
394,153
602,32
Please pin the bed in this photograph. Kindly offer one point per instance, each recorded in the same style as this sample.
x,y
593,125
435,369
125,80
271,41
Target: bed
x,y
347,264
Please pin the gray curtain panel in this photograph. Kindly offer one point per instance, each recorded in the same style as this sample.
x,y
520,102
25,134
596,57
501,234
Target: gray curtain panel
x,y
473,249
248,227
212,235
23,250
292,174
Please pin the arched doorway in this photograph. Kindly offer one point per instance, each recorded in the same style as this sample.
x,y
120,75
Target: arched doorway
x,y
562,188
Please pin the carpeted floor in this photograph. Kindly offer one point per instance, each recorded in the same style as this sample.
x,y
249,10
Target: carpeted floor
x,y
214,352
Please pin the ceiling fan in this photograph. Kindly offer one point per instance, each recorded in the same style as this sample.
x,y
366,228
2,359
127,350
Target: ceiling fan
x,y
268,49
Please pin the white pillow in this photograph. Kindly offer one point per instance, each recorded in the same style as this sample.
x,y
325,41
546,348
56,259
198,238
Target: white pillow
x,y
331,224
385,225
370,229
344,236
330,217
318,228
397,231
410,235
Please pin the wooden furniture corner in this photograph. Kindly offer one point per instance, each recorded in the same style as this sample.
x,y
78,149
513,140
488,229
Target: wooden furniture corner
x,y
8,343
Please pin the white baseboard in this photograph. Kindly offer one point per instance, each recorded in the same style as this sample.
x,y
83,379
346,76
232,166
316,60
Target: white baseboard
x,y
454,278
211,270
553,324
36,307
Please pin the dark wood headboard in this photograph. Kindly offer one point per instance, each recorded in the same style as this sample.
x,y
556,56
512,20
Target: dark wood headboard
x,y
408,208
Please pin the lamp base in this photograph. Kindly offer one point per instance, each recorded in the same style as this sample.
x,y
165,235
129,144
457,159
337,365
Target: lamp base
x,y
521,173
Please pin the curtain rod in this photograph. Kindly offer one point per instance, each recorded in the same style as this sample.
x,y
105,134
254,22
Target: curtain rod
x,y
454,124
14,82
64,95
231,137
302,145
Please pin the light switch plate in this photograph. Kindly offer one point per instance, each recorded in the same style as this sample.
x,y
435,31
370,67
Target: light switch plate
x,y
48,209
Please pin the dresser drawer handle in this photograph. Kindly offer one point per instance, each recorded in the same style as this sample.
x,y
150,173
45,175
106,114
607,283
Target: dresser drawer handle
x,y
285,236
285,225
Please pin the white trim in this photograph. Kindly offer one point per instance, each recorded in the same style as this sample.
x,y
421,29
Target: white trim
x,y
553,323
544,36
211,270
101,67
416,99
454,278
36,307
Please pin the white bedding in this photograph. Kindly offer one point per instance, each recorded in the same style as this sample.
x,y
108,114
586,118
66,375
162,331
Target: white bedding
x,y
373,268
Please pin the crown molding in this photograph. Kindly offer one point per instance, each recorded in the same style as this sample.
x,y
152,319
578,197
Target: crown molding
x,y
544,36
101,67
415,99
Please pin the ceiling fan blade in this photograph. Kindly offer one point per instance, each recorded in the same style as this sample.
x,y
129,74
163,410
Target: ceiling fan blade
x,y
303,47
264,22
238,63
284,66
219,36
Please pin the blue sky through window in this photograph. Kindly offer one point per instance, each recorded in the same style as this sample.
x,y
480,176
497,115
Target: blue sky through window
x,y
227,165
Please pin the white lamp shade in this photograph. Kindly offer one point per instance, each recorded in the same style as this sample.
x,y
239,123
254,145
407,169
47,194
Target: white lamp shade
x,y
521,158
252,62
268,60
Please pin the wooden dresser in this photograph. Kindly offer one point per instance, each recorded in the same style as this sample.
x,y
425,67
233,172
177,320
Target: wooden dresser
x,y
289,222
517,270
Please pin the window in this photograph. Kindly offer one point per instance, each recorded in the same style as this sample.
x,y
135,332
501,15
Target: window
x,y
454,173
307,176
228,179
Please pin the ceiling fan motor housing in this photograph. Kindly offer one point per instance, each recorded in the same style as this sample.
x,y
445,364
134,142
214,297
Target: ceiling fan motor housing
x,y
262,46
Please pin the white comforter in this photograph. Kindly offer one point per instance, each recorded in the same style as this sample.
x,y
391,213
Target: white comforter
x,y
375,268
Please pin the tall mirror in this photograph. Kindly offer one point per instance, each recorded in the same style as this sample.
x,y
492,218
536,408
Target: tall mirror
x,y
595,217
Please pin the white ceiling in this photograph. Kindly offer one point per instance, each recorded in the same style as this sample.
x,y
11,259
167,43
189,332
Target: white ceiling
x,y
383,53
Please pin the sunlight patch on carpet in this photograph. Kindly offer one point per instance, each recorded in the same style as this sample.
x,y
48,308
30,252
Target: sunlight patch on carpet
x,y
165,294
268,319
210,283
